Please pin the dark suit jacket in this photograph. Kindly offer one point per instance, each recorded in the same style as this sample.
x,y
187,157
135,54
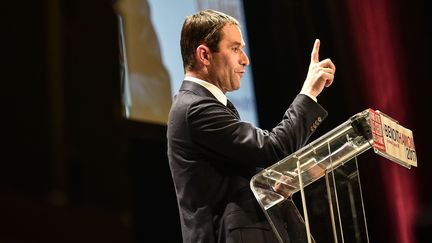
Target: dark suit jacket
x,y
213,155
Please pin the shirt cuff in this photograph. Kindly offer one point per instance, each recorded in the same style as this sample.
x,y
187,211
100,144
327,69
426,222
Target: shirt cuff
x,y
310,96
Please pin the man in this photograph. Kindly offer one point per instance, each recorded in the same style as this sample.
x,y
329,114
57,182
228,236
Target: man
x,y
212,153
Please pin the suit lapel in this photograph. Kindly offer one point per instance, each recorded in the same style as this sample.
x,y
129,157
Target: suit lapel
x,y
233,109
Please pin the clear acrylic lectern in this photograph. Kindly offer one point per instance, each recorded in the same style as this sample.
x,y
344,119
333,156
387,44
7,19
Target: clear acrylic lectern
x,y
325,172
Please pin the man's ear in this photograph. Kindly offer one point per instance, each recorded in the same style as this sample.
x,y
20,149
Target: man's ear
x,y
203,54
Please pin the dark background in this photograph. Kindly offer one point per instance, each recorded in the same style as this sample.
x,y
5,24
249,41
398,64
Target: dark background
x,y
73,170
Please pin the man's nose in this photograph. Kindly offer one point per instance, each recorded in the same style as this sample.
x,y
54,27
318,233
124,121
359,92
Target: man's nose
x,y
244,59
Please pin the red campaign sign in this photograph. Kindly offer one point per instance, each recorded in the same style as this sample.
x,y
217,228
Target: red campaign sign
x,y
392,140
377,131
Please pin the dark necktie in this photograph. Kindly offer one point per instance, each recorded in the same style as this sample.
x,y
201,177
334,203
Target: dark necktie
x,y
233,109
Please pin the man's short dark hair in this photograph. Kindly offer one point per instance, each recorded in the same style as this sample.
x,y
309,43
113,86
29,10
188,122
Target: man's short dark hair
x,y
203,27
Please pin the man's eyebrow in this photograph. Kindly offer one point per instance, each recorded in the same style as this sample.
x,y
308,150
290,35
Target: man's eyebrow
x,y
236,43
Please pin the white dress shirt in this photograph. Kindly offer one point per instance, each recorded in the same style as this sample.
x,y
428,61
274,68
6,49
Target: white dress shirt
x,y
210,87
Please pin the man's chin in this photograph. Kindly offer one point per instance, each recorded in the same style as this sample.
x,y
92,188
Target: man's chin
x,y
236,86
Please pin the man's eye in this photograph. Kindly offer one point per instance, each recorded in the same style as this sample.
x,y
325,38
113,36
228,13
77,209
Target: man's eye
x,y
235,49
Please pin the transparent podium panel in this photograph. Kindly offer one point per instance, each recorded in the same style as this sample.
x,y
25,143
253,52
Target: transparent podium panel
x,y
322,180
335,208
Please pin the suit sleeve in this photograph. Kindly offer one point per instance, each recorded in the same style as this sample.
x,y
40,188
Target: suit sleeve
x,y
219,133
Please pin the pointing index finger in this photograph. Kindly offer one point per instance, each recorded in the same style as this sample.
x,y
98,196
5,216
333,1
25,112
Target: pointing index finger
x,y
315,50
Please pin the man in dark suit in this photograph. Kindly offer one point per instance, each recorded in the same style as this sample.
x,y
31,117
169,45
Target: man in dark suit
x,y
212,153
